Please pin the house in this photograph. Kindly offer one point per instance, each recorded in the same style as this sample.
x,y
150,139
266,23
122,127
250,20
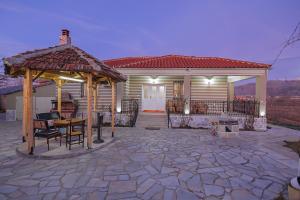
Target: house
x,y
154,80
11,98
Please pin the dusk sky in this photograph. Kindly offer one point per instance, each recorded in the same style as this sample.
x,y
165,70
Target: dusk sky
x,y
250,30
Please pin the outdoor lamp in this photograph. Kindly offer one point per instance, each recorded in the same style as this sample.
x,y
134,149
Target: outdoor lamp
x,y
71,79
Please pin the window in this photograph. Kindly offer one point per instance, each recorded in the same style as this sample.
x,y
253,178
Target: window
x,y
178,89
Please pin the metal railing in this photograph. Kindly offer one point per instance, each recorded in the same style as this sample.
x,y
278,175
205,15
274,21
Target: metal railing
x,y
130,107
248,108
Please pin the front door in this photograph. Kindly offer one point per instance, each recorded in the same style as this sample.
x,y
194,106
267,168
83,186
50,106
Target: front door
x,y
153,97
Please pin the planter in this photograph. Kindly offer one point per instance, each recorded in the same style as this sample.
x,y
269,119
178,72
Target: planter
x,y
294,190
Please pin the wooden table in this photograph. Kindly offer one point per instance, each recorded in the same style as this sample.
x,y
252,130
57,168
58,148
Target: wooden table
x,y
65,123
62,123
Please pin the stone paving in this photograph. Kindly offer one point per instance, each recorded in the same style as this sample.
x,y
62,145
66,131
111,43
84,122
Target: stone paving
x,y
161,164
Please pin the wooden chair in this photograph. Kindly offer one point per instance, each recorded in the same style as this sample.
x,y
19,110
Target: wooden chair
x,y
75,134
41,129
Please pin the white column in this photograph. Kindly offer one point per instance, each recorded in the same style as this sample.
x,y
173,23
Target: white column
x,y
120,94
261,92
230,91
187,93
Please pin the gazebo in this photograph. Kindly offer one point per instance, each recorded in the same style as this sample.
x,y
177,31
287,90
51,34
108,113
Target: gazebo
x,y
61,64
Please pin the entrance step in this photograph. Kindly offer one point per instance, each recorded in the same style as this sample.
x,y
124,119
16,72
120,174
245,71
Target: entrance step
x,y
153,120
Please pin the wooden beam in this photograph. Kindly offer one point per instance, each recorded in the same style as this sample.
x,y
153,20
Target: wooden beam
x,y
95,97
29,128
59,88
89,109
24,122
38,75
113,107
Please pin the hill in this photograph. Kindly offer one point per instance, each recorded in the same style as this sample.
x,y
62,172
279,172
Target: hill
x,y
274,88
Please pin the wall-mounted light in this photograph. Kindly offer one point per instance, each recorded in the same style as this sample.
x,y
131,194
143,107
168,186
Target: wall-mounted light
x,y
153,80
186,111
209,80
71,79
118,109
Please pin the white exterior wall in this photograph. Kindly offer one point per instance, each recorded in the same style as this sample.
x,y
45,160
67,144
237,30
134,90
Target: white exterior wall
x,y
136,82
201,90
103,95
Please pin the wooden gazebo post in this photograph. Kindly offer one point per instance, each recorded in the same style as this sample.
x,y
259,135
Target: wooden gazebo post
x,y
89,109
95,97
113,107
27,100
59,88
24,130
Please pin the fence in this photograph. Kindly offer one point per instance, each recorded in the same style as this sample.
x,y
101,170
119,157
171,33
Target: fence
x,y
129,108
238,108
284,111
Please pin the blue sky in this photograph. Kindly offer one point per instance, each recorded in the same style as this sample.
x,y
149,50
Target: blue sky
x,y
251,30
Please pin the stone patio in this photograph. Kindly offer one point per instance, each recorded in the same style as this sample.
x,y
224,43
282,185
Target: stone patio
x,y
160,164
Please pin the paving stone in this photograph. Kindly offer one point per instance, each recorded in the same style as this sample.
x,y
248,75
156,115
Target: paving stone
x,y
169,194
261,183
42,174
167,170
242,194
235,168
49,190
96,195
151,170
145,186
185,175
184,195
208,178
69,180
7,189
194,184
122,186
97,182
170,182
213,190
123,177
152,191
23,182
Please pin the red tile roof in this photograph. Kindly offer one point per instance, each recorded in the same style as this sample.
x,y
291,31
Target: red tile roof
x,y
178,61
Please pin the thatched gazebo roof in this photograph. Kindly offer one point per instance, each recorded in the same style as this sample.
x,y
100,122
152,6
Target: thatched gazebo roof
x,y
59,60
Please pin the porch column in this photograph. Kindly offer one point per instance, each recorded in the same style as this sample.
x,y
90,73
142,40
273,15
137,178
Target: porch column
x,y
261,93
120,94
113,107
187,93
89,109
59,87
230,91
27,100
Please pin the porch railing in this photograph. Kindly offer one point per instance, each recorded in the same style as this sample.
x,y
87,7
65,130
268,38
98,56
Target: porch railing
x,y
239,107
129,107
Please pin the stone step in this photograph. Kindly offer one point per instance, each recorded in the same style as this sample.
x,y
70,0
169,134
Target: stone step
x,y
144,121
